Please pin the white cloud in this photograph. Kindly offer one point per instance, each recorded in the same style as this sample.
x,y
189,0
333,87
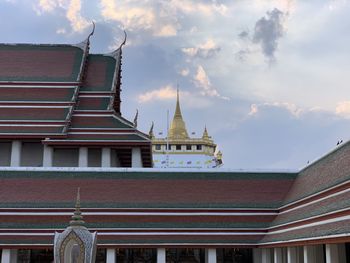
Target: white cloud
x,y
164,93
61,31
343,109
205,50
168,93
201,80
72,9
184,72
78,23
197,7
134,15
292,108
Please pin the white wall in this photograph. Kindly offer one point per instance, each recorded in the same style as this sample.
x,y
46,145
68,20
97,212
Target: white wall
x,y
5,153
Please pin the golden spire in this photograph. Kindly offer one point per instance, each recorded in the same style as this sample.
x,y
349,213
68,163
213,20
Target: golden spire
x,y
77,218
205,134
178,127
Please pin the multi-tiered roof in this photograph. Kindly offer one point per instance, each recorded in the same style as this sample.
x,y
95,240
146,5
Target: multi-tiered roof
x,y
65,96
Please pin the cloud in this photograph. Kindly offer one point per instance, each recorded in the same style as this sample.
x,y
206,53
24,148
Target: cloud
x,y
290,107
197,7
268,30
205,50
201,80
134,15
78,23
343,109
48,6
72,9
184,72
164,93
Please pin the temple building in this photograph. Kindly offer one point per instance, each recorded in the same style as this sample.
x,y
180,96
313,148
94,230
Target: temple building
x,y
178,150
61,128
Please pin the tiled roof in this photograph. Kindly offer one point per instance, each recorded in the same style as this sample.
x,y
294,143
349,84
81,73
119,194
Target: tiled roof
x,y
49,63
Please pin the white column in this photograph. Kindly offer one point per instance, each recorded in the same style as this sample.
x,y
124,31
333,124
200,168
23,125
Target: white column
x,y
83,157
292,255
106,157
278,255
161,255
256,255
210,255
136,160
9,256
48,156
111,255
266,255
335,253
16,153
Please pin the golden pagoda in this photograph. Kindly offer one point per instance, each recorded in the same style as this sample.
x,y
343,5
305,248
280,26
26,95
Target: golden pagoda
x,y
178,150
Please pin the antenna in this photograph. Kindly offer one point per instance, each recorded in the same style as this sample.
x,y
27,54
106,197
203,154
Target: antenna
x,y
167,139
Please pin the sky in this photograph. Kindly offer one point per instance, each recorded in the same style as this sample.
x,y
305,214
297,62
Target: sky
x,y
268,78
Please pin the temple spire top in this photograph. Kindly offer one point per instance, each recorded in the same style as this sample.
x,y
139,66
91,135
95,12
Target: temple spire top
x,y
77,218
178,127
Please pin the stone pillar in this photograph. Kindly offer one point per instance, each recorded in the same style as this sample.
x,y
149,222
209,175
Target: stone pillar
x,y
16,153
292,255
210,255
266,255
136,160
106,157
9,256
256,255
83,157
111,256
48,156
161,255
278,255
335,253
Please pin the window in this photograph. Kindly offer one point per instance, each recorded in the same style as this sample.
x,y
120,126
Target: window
x,y
158,147
65,157
32,154
5,153
199,147
178,147
94,157
188,147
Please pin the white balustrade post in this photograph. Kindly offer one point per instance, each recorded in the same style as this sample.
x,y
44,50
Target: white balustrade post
x,y
266,255
136,159
111,256
47,156
335,253
210,255
16,153
9,256
83,157
161,255
106,157
278,255
292,255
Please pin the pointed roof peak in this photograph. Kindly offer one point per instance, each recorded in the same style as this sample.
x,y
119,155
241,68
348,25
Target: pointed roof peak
x,y
178,127
77,218
205,133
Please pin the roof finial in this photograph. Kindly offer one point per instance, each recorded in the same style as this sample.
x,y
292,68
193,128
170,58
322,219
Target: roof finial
x,y
77,218
205,133
125,36
93,30
150,133
135,119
